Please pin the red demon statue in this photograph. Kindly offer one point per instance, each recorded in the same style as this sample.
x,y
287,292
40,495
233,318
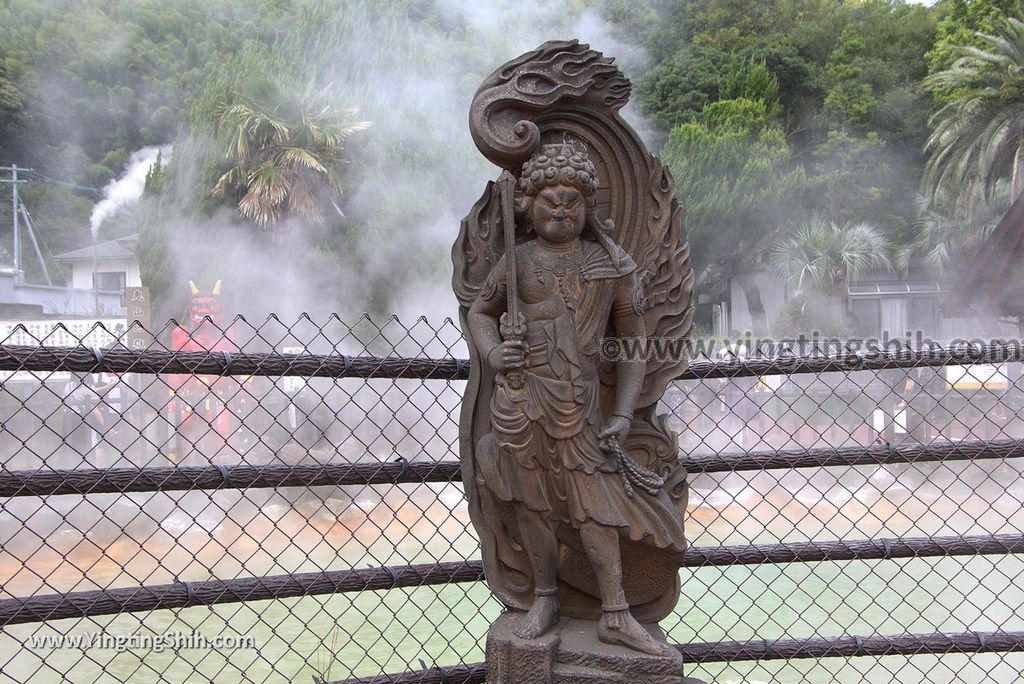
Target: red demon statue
x,y
199,402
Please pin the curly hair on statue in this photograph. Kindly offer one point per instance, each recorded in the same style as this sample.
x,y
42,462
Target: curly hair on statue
x,y
558,164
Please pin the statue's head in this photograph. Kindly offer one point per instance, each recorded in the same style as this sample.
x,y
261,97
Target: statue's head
x,y
202,305
557,191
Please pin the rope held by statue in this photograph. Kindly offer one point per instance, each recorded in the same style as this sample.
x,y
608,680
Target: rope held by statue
x,y
633,474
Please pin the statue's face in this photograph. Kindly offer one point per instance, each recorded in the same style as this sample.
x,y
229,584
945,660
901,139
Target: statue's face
x,y
558,213
203,306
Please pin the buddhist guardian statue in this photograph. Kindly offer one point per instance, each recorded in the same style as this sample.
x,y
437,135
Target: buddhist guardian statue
x,y
568,261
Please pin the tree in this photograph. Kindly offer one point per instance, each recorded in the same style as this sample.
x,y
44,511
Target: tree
x,y
821,254
821,257
735,178
676,90
752,80
943,234
962,22
977,135
12,99
849,99
285,148
849,175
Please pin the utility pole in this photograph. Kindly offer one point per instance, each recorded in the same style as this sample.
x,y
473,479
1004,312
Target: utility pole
x,y
15,211
16,230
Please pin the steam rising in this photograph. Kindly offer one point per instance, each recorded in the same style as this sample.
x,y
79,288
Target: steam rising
x,y
127,189
410,178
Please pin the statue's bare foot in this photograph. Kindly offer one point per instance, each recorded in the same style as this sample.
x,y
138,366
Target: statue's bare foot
x,y
541,617
620,627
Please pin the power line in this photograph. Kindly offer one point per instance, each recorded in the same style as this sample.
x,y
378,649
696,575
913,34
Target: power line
x,y
54,181
19,169
36,176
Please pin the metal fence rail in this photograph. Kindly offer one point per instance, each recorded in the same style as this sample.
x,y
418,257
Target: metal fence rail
x,y
858,506
123,360
762,649
212,592
401,471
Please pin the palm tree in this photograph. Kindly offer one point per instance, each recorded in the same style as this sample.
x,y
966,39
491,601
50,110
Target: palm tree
x,y
284,148
823,255
943,234
978,136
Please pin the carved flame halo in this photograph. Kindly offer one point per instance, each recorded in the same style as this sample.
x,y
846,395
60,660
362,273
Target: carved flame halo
x,y
564,92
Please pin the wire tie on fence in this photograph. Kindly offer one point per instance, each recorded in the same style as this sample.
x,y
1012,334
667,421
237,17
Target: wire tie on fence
x,y
395,579
462,366
98,353
767,650
223,473
191,593
228,361
441,670
887,547
892,450
982,641
860,644
405,465
347,361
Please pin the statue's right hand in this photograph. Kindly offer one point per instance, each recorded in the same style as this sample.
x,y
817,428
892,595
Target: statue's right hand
x,y
507,355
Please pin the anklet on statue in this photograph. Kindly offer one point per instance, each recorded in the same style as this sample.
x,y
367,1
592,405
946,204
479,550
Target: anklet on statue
x,y
614,608
546,592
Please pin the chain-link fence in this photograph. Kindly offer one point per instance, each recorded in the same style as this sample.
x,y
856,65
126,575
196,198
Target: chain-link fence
x,y
288,506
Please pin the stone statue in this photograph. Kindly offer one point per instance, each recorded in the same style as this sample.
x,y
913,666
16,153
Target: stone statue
x,y
572,477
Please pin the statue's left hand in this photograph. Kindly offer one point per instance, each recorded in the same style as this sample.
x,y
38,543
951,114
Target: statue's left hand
x,y
616,426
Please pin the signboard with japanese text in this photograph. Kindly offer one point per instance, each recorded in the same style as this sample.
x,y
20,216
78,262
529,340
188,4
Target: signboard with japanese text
x,y
136,301
100,333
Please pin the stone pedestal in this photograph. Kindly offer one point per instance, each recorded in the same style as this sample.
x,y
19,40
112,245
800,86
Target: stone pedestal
x,y
572,654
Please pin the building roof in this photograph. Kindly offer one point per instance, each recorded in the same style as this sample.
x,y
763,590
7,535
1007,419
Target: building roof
x,y
992,280
893,288
120,248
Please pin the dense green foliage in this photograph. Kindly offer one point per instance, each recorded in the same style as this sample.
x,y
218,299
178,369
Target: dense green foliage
x,y
851,111
978,134
733,169
960,25
767,112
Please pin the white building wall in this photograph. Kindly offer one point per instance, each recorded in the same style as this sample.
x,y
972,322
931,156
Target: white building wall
x,y
133,279
739,312
773,298
59,300
81,275
81,272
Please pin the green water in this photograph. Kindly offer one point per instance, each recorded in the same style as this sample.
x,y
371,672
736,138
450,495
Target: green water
x,y
335,637
339,636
